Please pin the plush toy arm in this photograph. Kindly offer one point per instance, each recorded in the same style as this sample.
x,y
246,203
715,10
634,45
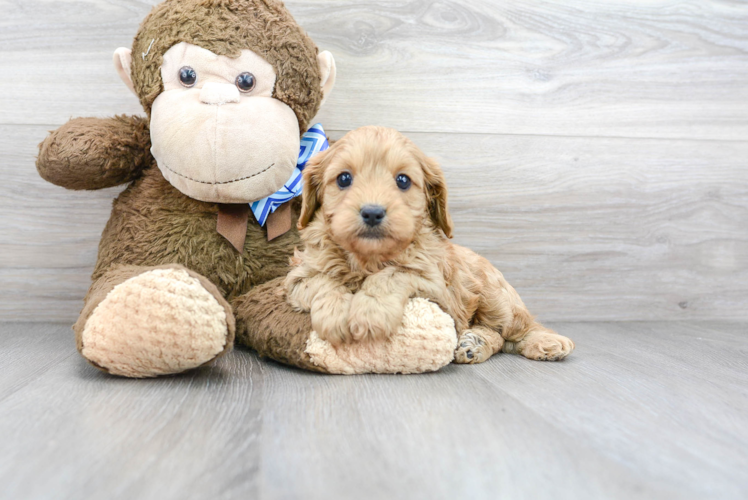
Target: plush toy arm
x,y
95,153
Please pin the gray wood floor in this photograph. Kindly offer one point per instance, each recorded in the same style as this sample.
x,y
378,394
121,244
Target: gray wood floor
x,y
640,410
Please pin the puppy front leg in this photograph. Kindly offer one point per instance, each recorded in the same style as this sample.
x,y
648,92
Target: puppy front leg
x,y
327,302
301,288
377,308
329,315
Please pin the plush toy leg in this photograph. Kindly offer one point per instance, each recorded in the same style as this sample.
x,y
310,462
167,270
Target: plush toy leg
x,y
150,321
266,323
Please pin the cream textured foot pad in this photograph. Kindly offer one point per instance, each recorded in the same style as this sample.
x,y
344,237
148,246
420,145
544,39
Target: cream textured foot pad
x,y
425,342
159,322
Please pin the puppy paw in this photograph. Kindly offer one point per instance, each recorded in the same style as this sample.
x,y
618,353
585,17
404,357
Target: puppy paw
x,y
329,315
299,296
546,347
298,305
372,319
471,348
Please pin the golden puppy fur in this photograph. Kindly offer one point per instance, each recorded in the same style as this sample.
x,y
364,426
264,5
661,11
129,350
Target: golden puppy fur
x,y
355,278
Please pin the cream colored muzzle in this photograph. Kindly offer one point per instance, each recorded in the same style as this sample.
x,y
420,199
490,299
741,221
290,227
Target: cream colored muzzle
x,y
217,146
219,93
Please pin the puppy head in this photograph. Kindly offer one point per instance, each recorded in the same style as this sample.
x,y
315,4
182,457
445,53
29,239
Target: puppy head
x,y
374,190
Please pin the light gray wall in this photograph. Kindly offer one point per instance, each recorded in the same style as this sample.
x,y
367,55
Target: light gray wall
x,y
596,151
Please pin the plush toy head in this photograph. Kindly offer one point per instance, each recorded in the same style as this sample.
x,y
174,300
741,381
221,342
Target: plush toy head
x,y
229,86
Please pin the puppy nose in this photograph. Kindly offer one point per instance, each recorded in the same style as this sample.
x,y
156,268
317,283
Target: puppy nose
x,y
373,215
219,93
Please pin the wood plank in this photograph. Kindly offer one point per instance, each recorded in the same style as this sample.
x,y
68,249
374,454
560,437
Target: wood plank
x,y
631,404
29,350
647,69
584,228
75,432
444,435
605,229
648,394
640,410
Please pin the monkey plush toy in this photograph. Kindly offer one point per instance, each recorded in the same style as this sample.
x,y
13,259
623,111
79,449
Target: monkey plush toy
x,y
228,87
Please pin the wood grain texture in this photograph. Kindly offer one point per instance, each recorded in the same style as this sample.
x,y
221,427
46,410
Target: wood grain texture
x,y
28,351
640,410
595,150
89,435
657,68
584,228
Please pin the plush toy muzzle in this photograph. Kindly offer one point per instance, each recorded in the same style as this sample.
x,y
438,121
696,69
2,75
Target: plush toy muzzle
x,y
215,153
217,133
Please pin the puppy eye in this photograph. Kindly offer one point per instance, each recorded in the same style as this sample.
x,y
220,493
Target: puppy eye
x,y
403,182
187,76
245,82
345,180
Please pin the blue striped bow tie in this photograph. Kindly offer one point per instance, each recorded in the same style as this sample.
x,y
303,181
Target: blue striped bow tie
x,y
312,142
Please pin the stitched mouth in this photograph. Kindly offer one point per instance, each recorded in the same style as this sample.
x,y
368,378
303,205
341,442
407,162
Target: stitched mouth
x,y
218,182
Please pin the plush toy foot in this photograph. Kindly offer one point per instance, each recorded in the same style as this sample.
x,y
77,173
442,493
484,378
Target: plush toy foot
x,y
542,345
159,322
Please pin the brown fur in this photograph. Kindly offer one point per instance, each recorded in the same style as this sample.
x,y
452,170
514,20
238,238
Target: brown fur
x,y
95,153
152,223
272,327
356,286
234,25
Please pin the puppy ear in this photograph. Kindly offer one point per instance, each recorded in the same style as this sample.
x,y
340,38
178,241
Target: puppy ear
x,y
436,193
311,197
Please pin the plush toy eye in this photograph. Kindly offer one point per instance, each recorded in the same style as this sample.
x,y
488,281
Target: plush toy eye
x,y
403,182
187,76
345,180
245,82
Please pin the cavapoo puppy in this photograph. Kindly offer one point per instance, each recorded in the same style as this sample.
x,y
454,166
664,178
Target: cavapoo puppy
x,y
376,232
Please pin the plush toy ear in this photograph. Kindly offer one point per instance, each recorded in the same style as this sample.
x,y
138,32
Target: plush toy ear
x,y
123,63
327,72
436,191
311,198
